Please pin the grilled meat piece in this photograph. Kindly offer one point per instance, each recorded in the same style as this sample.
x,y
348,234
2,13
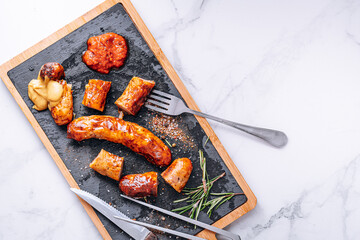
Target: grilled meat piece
x,y
113,129
108,164
95,94
134,95
139,185
105,52
63,111
178,173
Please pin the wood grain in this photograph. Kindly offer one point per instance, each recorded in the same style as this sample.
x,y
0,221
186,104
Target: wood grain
x,y
229,218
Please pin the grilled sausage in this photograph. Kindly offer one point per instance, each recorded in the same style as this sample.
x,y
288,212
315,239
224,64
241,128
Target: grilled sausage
x,y
116,130
134,95
63,111
95,94
178,173
108,164
51,71
139,185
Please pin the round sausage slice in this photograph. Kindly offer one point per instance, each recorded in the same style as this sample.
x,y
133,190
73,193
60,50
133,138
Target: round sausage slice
x,y
178,173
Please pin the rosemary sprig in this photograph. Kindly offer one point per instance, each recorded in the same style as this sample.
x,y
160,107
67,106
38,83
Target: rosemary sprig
x,y
216,202
198,197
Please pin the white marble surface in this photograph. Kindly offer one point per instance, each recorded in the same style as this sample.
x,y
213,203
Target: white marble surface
x,y
289,65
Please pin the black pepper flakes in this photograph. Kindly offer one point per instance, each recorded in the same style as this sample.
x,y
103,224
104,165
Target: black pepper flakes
x,y
167,126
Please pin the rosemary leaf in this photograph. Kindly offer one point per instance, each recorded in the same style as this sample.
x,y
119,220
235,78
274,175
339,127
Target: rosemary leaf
x,y
206,141
181,200
224,200
220,194
167,142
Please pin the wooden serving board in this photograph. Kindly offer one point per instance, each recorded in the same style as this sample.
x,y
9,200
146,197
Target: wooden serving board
x,y
145,59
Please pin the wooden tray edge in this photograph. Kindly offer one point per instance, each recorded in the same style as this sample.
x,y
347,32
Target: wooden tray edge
x,y
144,31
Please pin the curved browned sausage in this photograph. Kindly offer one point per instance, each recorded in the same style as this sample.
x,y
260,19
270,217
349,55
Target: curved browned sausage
x,y
178,173
139,185
116,130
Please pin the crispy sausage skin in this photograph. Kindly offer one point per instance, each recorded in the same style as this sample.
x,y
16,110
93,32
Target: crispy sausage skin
x,y
178,173
139,185
108,164
63,111
95,94
134,95
116,130
51,71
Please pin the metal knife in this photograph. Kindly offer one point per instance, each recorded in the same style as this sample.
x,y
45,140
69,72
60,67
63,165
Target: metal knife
x,y
227,234
135,231
162,229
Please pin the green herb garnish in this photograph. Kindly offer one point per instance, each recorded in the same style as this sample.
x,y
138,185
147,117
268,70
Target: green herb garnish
x,y
198,197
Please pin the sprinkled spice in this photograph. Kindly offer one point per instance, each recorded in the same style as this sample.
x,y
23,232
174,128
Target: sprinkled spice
x,y
168,127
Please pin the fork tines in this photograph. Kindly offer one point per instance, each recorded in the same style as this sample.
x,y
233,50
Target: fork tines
x,y
166,95
159,102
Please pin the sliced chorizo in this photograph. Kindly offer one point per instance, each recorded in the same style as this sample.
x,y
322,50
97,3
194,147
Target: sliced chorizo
x,y
108,164
95,94
134,95
178,173
139,185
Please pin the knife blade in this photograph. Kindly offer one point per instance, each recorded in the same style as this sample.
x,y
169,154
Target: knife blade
x,y
167,230
135,231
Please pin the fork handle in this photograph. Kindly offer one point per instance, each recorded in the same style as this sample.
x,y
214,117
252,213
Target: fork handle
x,y
275,138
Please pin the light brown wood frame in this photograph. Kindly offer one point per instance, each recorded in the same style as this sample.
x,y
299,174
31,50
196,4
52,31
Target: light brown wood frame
x,y
144,31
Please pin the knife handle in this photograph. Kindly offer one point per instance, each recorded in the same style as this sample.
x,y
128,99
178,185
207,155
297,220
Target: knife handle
x,y
151,236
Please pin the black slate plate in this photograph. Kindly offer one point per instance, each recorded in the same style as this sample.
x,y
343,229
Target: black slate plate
x,y
77,155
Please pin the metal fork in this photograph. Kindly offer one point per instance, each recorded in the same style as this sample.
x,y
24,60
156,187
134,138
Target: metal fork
x,y
173,106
